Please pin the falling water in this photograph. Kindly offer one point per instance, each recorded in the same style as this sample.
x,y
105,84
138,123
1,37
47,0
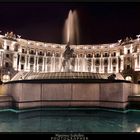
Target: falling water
x,y
71,28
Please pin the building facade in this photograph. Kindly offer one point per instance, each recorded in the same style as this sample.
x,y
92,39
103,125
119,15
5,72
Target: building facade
x,y
17,54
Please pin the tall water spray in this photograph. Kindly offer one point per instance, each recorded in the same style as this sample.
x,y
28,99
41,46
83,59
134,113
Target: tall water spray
x,y
71,28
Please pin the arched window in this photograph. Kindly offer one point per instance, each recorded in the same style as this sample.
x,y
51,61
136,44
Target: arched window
x,y
89,55
97,55
105,54
57,55
80,55
49,54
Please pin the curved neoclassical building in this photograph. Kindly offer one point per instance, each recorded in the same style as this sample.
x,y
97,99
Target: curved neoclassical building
x,y
17,54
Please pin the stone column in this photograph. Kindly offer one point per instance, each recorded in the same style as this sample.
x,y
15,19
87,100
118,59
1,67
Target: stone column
x,y
35,64
25,62
19,66
122,63
37,67
15,59
78,64
135,61
52,63
110,64
84,63
94,68
102,65
117,69
139,61
43,65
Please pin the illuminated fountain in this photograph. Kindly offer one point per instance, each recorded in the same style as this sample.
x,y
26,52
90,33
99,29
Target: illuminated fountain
x,y
71,28
68,87
70,36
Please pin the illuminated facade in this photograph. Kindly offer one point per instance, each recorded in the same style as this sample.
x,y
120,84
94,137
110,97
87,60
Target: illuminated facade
x,y
17,54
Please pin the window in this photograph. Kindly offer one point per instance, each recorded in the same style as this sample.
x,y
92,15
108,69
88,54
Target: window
x,y
114,61
128,66
7,47
32,52
128,51
57,55
105,69
89,55
81,55
114,54
97,69
22,58
106,55
31,60
7,55
105,62
48,60
114,69
22,66
23,51
40,68
97,62
6,64
31,67
49,54
97,55
40,60
40,53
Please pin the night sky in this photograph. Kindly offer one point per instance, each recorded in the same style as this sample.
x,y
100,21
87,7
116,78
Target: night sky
x,y
99,22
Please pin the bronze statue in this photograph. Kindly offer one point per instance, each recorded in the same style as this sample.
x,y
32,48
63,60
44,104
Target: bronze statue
x,y
67,55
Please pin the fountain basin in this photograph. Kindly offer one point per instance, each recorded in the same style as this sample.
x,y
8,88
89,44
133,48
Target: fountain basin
x,y
30,93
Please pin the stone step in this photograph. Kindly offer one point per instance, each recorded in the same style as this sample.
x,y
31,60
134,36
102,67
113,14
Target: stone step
x,y
134,98
5,101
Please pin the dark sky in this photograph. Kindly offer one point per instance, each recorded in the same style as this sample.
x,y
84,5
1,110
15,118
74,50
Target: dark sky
x,y
99,22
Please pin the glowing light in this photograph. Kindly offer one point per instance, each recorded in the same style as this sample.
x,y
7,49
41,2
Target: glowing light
x,y
128,78
5,78
71,28
138,129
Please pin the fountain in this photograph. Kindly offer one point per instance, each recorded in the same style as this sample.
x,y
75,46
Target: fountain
x,y
70,36
68,88
71,28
